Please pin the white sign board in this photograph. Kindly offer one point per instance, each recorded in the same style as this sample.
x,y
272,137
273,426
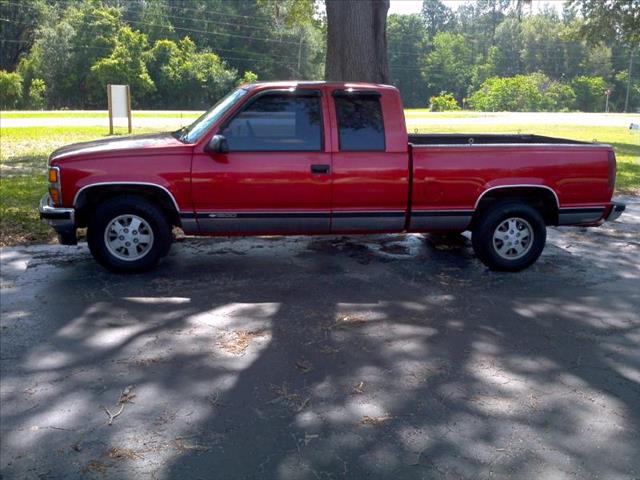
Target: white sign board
x,y
119,98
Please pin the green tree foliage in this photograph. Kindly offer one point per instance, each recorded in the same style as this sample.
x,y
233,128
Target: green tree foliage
x,y
541,49
437,17
192,79
124,66
449,65
247,77
589,93
509,46
443,103
598,61
607,19
407,40
37,91
20,20
185,54
10,89
529,93
174,54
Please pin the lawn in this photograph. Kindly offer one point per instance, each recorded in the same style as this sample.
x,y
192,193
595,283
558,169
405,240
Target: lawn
x,y
24,152
99,114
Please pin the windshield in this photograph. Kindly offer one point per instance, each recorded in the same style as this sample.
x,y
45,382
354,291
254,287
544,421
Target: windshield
x,y
193,132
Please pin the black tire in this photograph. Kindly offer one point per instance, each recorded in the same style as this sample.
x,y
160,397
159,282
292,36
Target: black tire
x,y
110,210
486,248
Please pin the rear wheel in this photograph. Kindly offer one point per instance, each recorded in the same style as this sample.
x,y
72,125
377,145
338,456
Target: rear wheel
x,y
128,234
509,236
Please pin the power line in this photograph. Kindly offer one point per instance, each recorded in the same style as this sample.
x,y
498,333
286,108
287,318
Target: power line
x,y
395,52
258,58
193,30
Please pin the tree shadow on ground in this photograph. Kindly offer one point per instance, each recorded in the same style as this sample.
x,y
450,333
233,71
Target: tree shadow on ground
x,y
337,357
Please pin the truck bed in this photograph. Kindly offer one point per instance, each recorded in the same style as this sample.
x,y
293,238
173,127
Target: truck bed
x,y
486,139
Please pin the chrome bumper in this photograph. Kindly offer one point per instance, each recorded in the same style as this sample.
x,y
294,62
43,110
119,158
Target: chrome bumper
x,y
616,211
61,219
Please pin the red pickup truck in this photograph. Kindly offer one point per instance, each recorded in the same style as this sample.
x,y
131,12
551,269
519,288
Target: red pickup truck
x,y
323,158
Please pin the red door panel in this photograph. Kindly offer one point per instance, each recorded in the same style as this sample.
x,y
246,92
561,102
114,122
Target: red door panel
x,y
370,166
276,177
254,192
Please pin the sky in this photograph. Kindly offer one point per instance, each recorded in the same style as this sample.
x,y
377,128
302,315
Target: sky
x,y
414,6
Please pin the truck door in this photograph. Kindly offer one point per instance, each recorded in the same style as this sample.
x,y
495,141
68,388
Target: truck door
x,y
370,179
276,176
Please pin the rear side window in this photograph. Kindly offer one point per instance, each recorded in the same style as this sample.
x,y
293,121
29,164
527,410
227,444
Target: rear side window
x,y
360,124
277,122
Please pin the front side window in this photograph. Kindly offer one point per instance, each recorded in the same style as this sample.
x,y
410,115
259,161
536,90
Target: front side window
x,y
360,124
194,132
277,122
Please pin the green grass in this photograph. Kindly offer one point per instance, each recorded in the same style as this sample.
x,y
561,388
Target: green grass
x,y
19,222
24,153
96,114
23,164
425,112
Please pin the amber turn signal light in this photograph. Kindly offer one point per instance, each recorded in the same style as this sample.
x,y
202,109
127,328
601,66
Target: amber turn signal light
x,y
53,175
55,196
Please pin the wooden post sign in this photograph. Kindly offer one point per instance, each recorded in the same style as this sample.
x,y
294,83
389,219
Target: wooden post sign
x,y
119,99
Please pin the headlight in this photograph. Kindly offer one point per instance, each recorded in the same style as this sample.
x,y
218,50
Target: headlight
x,y
54,185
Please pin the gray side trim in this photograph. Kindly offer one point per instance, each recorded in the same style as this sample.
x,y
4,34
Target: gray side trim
x,y
440,220
367,221
189,225
519,185
146,184
578,216
215,223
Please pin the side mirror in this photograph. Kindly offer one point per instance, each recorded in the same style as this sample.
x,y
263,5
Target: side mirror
x,y
217,144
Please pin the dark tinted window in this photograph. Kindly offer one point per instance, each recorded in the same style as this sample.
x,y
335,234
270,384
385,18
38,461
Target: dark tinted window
x,y
360,122
277,122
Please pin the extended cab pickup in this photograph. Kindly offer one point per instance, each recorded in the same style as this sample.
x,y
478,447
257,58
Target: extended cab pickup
x,y
323,158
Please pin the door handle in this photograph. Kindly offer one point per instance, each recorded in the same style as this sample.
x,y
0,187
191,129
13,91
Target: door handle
x,y
318,169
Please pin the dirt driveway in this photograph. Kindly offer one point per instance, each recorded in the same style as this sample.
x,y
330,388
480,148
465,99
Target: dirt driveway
x,y
314,358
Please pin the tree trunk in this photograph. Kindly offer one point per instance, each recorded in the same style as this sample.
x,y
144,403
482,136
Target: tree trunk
x,y
357,41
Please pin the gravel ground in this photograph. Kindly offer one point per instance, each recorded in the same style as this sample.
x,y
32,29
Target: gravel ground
x,y
329,357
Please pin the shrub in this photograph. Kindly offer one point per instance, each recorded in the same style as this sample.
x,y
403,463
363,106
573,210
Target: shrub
x,y
589,93
443,103
10,89
560,97
37,90
248,77
523,93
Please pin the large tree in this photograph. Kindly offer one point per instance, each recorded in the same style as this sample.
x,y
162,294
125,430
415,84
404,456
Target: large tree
x,y
605,20
18,25
437,17
357,41
407,39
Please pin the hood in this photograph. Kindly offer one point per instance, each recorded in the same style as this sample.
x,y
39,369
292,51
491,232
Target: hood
x,y
105,145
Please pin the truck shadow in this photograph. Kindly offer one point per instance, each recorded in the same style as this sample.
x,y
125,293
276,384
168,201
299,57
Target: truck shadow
x,y
337,357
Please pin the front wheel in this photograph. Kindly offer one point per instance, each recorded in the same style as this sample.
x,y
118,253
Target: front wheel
x,y
510,236
128,234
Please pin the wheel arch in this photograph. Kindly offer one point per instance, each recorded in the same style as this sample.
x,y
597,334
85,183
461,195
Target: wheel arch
x,y
89,196
543,198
